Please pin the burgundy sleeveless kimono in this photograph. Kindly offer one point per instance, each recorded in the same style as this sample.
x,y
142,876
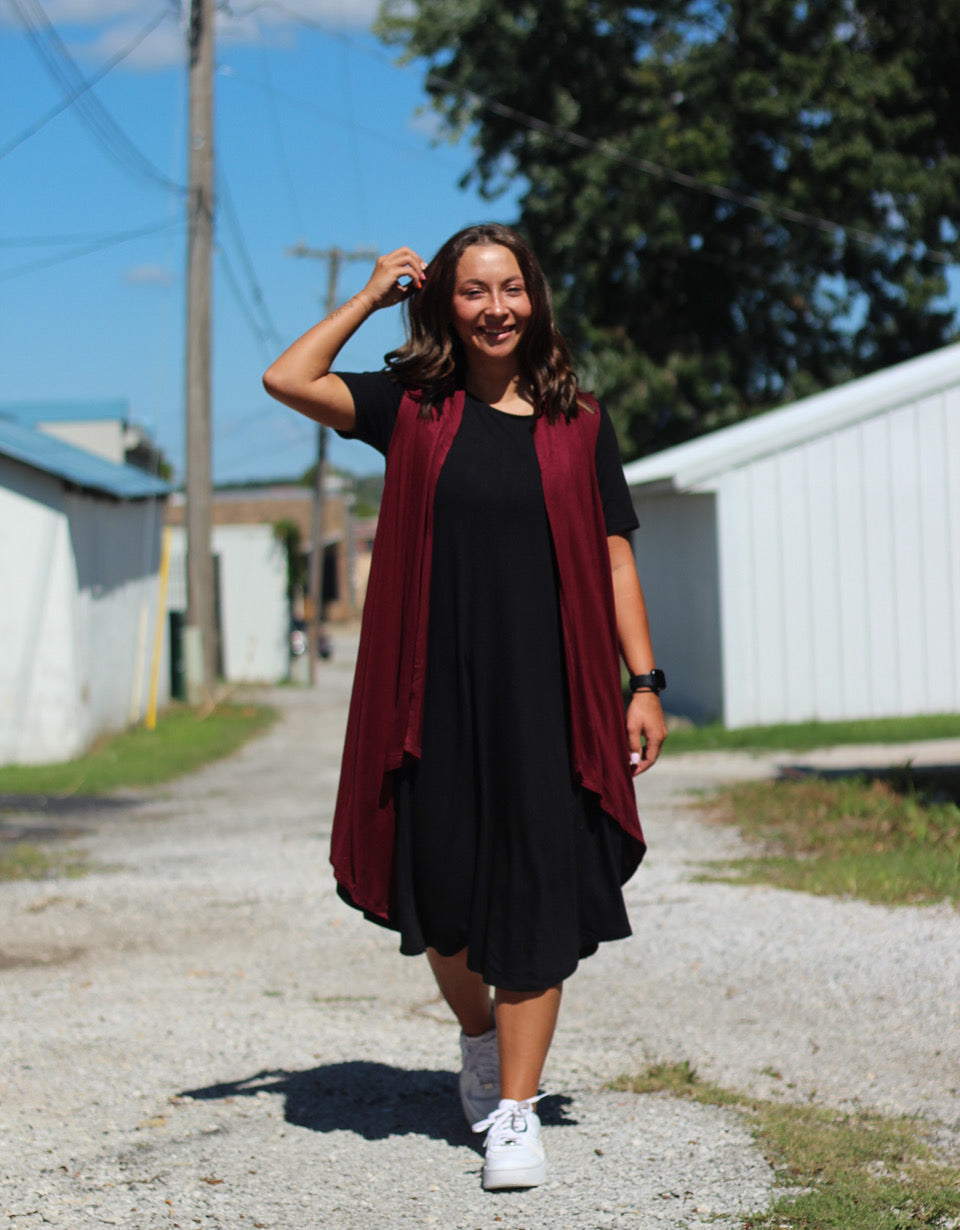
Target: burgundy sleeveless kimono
x,y
386,708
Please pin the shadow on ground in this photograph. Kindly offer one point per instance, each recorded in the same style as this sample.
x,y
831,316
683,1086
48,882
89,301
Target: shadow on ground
x,y
64,816
374,1100
927,783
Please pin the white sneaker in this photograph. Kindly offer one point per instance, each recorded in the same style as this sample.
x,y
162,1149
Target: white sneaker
x,y
514,1151
480,1075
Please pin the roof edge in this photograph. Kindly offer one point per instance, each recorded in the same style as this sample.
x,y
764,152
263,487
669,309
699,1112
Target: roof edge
x,y
699,460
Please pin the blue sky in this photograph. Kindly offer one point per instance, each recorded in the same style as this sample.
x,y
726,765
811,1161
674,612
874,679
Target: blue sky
x,y
318,140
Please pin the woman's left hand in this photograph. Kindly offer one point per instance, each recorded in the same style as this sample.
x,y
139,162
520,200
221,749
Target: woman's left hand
x,y
646,730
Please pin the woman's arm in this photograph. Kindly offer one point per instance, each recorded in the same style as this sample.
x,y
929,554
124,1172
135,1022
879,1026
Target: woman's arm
x,y
646,729
301,377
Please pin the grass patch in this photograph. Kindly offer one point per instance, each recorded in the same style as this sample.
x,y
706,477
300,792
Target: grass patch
x,y
182,742
806,735
854,1171
891,838
25,861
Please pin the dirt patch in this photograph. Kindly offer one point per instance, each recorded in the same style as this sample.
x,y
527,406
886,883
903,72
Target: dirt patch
x,y
45,958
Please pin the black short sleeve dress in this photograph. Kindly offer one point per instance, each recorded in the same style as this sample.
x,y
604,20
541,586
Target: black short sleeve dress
x,y
498,851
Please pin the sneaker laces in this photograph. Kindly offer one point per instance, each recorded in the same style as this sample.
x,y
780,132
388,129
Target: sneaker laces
x,y
507,1124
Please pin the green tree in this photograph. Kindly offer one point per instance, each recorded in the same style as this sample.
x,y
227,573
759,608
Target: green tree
x,y
659,129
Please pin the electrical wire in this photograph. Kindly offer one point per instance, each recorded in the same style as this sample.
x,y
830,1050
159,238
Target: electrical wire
x,y
277,129
266,329
286,446
611,151
53,241
88,84
61,67
234,283
608,150
87,249
364,217
235,425
334,117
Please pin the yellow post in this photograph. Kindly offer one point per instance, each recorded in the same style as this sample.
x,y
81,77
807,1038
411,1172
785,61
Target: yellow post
x,y
151,718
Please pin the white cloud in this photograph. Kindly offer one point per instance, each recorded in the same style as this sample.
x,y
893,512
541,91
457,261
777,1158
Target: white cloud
x,y
148,275
343,14
165,47
115,23
94,12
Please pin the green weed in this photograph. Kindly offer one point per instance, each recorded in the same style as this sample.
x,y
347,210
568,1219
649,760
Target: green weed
x,y
893,838
844,1171
806,735
182,742
26,861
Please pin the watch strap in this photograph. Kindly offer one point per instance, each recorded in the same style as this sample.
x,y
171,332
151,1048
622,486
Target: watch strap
x,y
654,681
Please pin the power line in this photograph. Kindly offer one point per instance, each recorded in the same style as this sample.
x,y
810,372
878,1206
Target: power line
x,y
88,248
285,446
88,84
294,100
608,150
278,135
268,329
235,425
61,67
245,309
352,134
53,241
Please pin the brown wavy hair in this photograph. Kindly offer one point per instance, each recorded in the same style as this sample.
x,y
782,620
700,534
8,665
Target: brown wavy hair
x,y
432,360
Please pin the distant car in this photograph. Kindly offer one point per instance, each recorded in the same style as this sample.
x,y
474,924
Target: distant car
x,y
298,640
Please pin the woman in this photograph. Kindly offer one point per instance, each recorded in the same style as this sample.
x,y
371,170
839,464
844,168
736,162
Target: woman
x,y
486,806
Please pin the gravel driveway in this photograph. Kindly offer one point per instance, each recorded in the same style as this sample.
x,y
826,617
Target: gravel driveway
x,y
203,1035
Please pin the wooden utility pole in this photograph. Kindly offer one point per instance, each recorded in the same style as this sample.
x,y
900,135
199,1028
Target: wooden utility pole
x,y
200,645
335,258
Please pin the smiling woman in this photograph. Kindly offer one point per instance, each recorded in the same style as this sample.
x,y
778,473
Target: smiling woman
x,y
483,319
486,809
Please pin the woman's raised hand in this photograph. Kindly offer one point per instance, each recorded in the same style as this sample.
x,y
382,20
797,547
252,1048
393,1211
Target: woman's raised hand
x,y
301,377
395,276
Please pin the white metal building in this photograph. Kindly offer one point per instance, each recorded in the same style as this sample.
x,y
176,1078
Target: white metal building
x,y
104,427
251,571
79,556
805,564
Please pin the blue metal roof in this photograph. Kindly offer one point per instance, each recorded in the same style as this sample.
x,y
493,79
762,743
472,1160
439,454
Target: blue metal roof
x,y
31,412
76,465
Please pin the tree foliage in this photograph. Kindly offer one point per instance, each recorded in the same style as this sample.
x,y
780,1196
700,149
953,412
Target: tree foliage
x,y
691,304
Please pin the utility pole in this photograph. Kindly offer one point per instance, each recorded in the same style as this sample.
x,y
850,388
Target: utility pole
x,y
200,643
335,258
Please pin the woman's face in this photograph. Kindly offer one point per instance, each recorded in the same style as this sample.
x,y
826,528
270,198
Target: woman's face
x,y
490,306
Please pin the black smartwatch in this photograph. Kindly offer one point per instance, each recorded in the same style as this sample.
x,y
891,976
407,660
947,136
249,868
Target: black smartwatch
x,y
655,682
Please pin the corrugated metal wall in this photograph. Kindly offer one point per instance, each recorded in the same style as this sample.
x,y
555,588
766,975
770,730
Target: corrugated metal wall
x,y
840,572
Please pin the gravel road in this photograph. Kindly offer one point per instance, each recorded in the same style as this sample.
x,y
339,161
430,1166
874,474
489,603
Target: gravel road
x,y
201,1034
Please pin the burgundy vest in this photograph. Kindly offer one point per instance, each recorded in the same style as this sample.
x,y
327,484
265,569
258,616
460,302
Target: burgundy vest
x,y
386,707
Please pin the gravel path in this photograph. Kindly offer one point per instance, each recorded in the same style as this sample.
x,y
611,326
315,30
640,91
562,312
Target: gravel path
x,y
202,1035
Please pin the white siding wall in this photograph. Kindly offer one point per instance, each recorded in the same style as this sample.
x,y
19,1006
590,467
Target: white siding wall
x,y
38,692
117,557
676,551
840,567
253,603
75,573
254,611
